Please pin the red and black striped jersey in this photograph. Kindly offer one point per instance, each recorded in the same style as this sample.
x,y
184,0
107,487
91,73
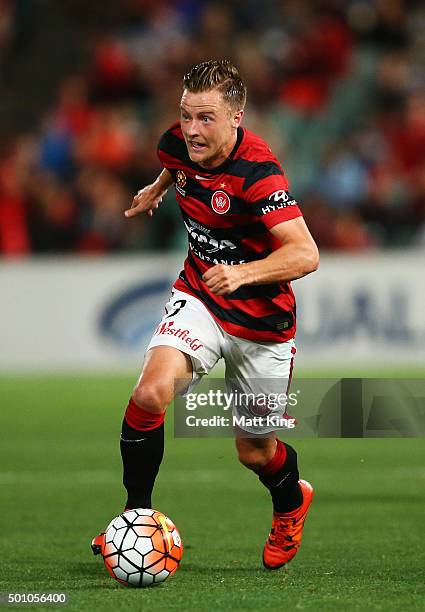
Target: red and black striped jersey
x,y
228,212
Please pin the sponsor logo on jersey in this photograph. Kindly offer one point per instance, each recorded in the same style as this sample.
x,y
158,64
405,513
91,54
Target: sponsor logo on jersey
x,y
167,328
209,244
281,198
279,195
220,202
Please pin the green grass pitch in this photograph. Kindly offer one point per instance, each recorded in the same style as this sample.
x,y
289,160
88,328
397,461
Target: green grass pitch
x,y
60,479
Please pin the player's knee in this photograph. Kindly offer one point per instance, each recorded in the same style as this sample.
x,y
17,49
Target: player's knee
x,y
151,397
253,459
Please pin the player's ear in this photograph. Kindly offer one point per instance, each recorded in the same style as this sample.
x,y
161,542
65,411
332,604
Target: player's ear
x,y
237,118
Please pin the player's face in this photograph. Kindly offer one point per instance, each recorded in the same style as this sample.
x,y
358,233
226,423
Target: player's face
x,y
209,127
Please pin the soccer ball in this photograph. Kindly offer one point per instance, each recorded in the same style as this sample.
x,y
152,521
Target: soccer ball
x,y
142,547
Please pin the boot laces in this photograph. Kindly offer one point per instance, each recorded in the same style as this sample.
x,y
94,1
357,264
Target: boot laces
x,y
283,531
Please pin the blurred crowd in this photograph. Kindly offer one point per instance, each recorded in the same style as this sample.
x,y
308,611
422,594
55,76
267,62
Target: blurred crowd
x,y
335,86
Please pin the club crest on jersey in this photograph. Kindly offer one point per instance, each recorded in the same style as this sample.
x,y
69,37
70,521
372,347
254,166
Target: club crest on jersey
x,y
180,182
220,202
180,178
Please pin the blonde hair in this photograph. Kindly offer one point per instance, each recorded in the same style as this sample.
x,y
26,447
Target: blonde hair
x,y
221,75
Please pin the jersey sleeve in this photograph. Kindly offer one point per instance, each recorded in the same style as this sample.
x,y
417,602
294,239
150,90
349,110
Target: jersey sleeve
x,y
266,191
170,148
160,148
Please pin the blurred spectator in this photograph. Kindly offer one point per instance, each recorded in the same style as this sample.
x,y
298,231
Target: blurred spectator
x,y
14,238
335,87
110,140
343,181
103,198
53,214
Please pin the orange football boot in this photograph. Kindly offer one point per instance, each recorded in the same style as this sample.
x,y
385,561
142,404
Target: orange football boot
x,y
286,532
97,543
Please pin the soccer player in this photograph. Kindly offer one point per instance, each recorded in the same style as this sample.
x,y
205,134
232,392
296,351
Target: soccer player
x,y
233,299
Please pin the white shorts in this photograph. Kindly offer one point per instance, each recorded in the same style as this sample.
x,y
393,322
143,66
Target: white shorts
x,y
255,368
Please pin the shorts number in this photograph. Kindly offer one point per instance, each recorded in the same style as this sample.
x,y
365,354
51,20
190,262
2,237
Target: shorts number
x,y
178,305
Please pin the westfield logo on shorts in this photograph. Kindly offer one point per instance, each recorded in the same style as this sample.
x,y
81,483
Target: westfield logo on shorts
x,y
169,329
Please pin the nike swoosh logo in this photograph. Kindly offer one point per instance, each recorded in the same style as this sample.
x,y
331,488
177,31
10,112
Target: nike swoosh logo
x,y
283,479
203,178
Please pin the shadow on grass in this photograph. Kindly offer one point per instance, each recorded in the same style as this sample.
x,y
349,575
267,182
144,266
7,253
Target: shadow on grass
x,y
93,574
237,571
90,574
85,568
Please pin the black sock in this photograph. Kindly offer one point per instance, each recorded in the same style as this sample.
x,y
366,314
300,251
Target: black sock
x,y
283,484
141,453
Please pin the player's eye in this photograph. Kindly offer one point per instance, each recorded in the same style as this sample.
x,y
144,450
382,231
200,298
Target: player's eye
x,y
205,119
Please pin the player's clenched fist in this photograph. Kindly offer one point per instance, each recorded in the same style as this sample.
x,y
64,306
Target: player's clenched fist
x,y
222,279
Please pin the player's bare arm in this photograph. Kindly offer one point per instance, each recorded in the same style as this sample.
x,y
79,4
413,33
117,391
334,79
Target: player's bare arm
x,y
297,257
150,197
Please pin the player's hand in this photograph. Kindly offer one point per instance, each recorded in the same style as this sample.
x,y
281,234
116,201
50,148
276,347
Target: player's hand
x,y
146,201
222,279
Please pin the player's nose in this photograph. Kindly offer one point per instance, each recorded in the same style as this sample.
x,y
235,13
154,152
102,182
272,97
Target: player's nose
x,y
192,129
